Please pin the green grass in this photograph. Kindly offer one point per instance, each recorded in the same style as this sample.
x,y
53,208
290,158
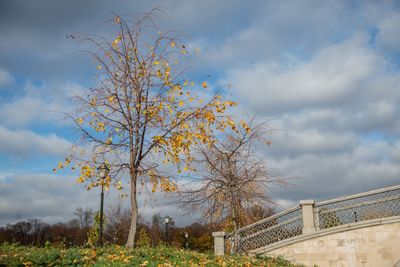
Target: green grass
x,y
15,255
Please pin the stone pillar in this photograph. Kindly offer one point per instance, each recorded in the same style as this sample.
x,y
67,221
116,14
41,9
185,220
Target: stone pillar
x,y
307,207
219,243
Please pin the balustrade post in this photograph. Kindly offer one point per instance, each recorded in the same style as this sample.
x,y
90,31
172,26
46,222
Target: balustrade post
x,y
307,208
219,243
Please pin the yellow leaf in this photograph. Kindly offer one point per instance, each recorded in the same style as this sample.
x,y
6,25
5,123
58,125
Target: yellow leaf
x,y
98,67
181,103
111,98
156,62
204,84
117,40
173,44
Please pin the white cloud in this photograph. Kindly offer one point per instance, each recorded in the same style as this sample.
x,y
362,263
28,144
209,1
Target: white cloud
x,y
280,31
23,143
312,67
336,74
54,198
51,198
368,166
336,115
38,105
293,142
6,78
389,32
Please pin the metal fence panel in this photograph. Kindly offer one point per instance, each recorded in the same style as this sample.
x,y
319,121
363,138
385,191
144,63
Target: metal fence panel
x,y
374,204
361,207
273,229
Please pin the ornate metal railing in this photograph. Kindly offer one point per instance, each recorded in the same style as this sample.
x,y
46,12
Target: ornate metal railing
x,y
278,227
375,204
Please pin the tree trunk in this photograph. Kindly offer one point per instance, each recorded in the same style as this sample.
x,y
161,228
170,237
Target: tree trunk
x,y
134,212
235,236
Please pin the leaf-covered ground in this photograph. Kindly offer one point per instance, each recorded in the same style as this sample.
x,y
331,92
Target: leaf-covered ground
x,y
14,255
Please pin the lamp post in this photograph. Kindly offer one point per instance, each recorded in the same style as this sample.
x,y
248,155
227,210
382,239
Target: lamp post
x,y
103,173
167,220
186,240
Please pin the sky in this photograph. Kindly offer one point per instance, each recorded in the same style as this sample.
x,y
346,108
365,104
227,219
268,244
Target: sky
x,y
325,74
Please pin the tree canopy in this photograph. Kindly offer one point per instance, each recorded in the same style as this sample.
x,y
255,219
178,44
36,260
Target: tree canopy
x,y
142,113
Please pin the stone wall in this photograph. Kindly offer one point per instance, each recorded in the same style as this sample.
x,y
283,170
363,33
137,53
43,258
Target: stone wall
x,y
353,238
375,243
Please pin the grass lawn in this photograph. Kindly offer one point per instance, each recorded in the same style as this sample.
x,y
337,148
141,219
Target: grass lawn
x,y
15,255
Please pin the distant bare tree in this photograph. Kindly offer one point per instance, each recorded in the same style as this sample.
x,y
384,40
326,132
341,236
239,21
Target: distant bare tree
x,y
118,220
156,222
37,230
84,217
233,178
256,213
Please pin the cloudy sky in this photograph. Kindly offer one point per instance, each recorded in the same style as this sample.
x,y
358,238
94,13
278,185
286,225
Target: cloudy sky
x,y
325,73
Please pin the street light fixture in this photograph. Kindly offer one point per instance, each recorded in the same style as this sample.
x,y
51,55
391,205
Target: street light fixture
x,y
186,240
167,220
103,173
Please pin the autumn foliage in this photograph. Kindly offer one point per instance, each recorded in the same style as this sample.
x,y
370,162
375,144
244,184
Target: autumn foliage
x,y
143,113
14,255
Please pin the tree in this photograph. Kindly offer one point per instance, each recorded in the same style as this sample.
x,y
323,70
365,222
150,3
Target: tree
x,y
156,221
233,179
118,219
84,217
142,110
94,232
21,231
200,237
37,231
256,213
143,238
